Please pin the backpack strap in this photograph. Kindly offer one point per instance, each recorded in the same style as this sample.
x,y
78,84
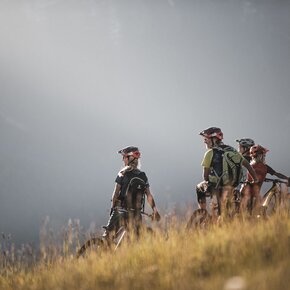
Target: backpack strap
x,y
219,177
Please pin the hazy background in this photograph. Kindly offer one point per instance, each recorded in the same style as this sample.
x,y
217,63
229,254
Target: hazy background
x,y
81,79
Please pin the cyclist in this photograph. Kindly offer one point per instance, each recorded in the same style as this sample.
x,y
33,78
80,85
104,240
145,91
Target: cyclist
x,y
258,155
212,164
119,206
244,147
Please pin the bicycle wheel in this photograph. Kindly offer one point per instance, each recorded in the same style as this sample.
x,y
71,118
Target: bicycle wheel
x,y
200,218
91,245
270,204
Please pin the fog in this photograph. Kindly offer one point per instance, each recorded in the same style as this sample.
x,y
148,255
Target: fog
x,y
81,79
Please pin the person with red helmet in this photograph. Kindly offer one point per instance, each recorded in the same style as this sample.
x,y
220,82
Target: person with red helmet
x,y
129,172
258,156
212,164
258,162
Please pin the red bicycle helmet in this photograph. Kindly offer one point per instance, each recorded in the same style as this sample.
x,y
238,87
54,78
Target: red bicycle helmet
x,y
257,149
130,151
212,132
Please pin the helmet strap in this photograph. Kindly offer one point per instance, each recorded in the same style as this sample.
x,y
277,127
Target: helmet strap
x,y
131,160
213,143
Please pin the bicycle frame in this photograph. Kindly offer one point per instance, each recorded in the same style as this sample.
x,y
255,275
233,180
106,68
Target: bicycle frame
x,y
273,197
119,236
102,242
122,231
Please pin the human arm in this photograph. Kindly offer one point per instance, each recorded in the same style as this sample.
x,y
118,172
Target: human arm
x,y
252,172
205,176
151,201
282,176
271,171
205,173
206,164
115,194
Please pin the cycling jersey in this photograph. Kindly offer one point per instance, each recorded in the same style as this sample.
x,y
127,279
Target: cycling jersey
x,y
261,170
213,162
124,181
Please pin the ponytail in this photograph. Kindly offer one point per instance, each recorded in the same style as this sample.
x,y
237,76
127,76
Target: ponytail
x,y
134,164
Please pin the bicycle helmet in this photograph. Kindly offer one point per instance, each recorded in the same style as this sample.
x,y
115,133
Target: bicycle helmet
x,y
130,151
257,149
246,142
212,132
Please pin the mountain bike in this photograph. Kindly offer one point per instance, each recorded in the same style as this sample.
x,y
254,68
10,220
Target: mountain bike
x,y
272,199
202,218
114,240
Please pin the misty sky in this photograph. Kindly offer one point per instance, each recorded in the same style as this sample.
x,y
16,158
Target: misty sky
x,y
81,79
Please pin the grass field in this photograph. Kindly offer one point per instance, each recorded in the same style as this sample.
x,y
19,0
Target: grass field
x,y
237,255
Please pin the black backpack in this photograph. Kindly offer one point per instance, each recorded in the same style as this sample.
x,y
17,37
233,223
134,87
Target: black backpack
x,y
135,194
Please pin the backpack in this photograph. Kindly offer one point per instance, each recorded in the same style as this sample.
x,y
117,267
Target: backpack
x,y
231,166
135,194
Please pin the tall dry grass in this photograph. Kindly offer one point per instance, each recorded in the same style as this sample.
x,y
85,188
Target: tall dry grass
x,y
252,254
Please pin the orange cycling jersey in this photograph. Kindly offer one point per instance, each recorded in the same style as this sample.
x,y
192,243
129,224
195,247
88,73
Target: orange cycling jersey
x,y
261,170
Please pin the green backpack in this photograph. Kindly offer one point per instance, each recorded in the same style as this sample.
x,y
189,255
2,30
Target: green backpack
x,y
231,166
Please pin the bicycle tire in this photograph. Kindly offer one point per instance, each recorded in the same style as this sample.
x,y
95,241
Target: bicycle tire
x,y
91,245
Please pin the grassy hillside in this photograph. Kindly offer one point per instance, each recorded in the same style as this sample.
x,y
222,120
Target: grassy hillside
x,y
248,255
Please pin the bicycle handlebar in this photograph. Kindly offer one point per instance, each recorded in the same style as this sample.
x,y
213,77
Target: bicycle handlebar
x,y
267,180
275,180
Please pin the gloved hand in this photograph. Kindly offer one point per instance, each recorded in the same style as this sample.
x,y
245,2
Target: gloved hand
x,y
256,180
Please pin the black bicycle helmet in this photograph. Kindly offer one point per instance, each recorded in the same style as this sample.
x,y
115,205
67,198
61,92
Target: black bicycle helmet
x,y
246,142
